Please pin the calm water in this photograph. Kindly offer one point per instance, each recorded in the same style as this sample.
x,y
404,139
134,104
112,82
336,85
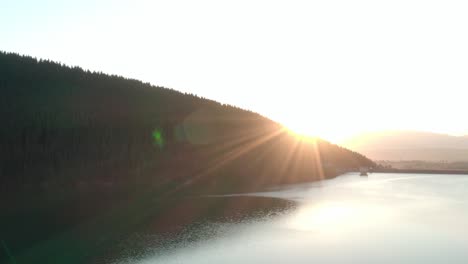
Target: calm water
x,y
383,218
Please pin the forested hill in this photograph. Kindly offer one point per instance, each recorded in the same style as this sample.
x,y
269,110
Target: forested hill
x,y
64,128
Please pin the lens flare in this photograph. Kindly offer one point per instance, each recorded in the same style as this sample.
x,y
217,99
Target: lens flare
x,y
158,138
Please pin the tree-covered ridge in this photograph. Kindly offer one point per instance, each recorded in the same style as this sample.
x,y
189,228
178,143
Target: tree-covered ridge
x,y
66,127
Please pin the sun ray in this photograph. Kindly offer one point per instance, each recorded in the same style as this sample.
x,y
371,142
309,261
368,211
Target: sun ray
x,y
231,155
318,160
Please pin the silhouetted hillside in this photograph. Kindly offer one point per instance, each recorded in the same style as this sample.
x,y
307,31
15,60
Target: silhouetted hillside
x,y
63,127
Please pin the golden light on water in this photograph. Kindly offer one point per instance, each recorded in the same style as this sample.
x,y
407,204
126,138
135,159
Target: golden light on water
x,y
335,217
322,217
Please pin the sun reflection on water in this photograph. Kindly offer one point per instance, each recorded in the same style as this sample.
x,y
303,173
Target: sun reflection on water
x,y
334,217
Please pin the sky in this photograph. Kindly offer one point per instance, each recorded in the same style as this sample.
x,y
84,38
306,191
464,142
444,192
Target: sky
x,y
329,68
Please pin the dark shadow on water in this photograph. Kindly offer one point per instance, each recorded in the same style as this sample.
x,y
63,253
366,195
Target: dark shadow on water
x,y
190,220
132,229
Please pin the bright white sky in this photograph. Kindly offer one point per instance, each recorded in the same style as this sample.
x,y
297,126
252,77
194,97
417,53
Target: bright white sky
x,y
329,68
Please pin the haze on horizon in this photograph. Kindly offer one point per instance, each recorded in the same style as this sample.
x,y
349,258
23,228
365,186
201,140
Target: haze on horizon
x,y
326,68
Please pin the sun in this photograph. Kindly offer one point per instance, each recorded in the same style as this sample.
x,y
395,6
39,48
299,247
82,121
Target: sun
x,y
327,131
322,121
330,131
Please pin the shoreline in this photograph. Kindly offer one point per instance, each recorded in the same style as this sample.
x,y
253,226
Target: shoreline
x,y
422,171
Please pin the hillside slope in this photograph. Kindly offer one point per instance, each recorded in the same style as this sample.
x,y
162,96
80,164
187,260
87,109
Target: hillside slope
x,y
410,145
66,128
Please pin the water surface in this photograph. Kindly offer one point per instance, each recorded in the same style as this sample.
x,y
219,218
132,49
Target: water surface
x,y
383,218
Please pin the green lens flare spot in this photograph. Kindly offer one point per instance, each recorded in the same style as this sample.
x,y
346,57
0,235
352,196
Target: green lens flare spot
x,y
158,138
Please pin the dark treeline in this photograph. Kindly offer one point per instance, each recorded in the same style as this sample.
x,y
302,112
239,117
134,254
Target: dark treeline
x,y
63,127
77,145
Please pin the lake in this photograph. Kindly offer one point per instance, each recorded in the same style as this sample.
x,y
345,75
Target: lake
x,y
382,218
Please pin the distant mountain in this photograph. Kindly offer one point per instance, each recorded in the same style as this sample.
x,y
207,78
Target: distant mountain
x,y
70,130
410,145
